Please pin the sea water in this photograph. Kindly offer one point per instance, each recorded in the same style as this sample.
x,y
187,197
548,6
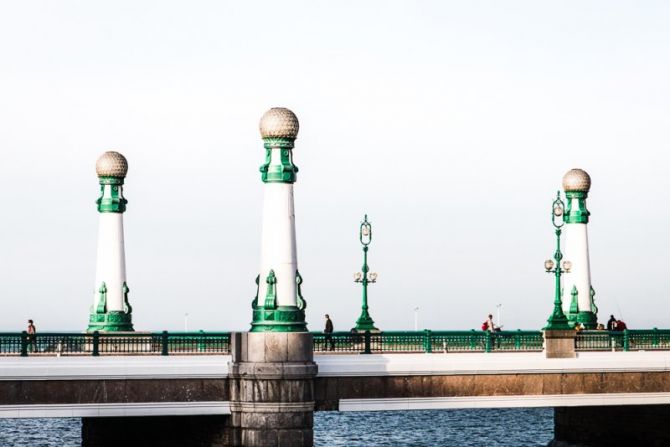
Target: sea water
x,y
518,427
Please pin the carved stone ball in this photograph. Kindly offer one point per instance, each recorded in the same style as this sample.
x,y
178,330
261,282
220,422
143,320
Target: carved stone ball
x,y
279,122
111,164
577,180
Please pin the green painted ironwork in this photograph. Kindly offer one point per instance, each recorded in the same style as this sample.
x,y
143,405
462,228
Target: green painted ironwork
x,y
426,341
270,317
557,320
365,321
281,319
430,341
300,301
574,304
101,308
110,343
271,293
111,198
110,321
626,340
254,302
127,308
103,320
579,213
278,166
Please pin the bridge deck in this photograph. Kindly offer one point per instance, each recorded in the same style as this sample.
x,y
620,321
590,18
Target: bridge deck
x,y
194,385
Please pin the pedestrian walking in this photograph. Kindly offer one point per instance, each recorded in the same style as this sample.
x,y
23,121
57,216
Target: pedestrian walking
x,y
328,330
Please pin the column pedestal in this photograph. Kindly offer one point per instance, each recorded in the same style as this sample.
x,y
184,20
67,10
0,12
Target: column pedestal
x,y
559,344
272,389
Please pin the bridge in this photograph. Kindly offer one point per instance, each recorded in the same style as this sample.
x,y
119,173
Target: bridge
x,y
152,378
261,387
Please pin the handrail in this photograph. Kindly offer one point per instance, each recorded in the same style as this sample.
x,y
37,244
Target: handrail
x,y
110,343
426,341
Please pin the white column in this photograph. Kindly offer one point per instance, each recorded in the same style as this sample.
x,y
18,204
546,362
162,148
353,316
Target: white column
x,y
111,263
577,251
576,184
278,249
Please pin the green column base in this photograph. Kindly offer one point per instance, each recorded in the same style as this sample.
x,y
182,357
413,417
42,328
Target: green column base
x,y
587,319
112,321
281,319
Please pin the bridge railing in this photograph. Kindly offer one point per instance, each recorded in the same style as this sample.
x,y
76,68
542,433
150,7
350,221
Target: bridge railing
x,y
627,340
427,341
95,344
193,343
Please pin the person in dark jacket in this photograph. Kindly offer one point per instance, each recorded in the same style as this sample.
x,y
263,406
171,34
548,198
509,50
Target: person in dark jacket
x,y
611,323
328,330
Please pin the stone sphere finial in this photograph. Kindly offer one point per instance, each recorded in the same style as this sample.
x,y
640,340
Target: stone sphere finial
x,y
111,164
576,180
279,122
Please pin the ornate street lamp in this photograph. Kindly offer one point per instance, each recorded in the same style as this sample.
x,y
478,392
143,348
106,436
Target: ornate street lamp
x,y
364,322
557,320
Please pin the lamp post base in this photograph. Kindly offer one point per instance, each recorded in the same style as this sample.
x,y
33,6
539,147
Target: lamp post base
x,y
365,323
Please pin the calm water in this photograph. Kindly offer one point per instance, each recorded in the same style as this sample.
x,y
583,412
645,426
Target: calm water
x,y
500,427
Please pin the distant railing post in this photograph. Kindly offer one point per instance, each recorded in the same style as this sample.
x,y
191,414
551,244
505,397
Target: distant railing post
x,y
517,339
625,340
164,343
656,338
96,344
427,344
24,344
366,343
488,341
201,341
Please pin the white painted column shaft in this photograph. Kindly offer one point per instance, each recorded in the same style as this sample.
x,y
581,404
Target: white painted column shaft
x,y
111,264
278,249
577,252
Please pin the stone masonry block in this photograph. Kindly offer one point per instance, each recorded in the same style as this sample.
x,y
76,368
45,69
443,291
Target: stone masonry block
x,y
559,344
260,438
256,347
269,370
236,346
276,346
300,347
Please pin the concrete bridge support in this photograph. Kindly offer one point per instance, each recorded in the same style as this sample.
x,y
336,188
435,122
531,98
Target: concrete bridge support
x,y
608,426
272,389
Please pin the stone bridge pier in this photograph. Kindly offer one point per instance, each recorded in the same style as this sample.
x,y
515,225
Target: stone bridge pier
x,y
272,389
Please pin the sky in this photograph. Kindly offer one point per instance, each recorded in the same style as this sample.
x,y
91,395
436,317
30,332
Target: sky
x,y
449,123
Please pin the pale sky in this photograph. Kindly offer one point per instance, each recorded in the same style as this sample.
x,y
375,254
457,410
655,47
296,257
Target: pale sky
x,y
450,123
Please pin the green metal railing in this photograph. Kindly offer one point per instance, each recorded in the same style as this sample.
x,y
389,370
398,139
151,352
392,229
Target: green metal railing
x,y
193,343
428,341
95,344
627,340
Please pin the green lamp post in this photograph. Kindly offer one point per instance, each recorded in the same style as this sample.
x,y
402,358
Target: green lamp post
x,y
365,322
557,320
